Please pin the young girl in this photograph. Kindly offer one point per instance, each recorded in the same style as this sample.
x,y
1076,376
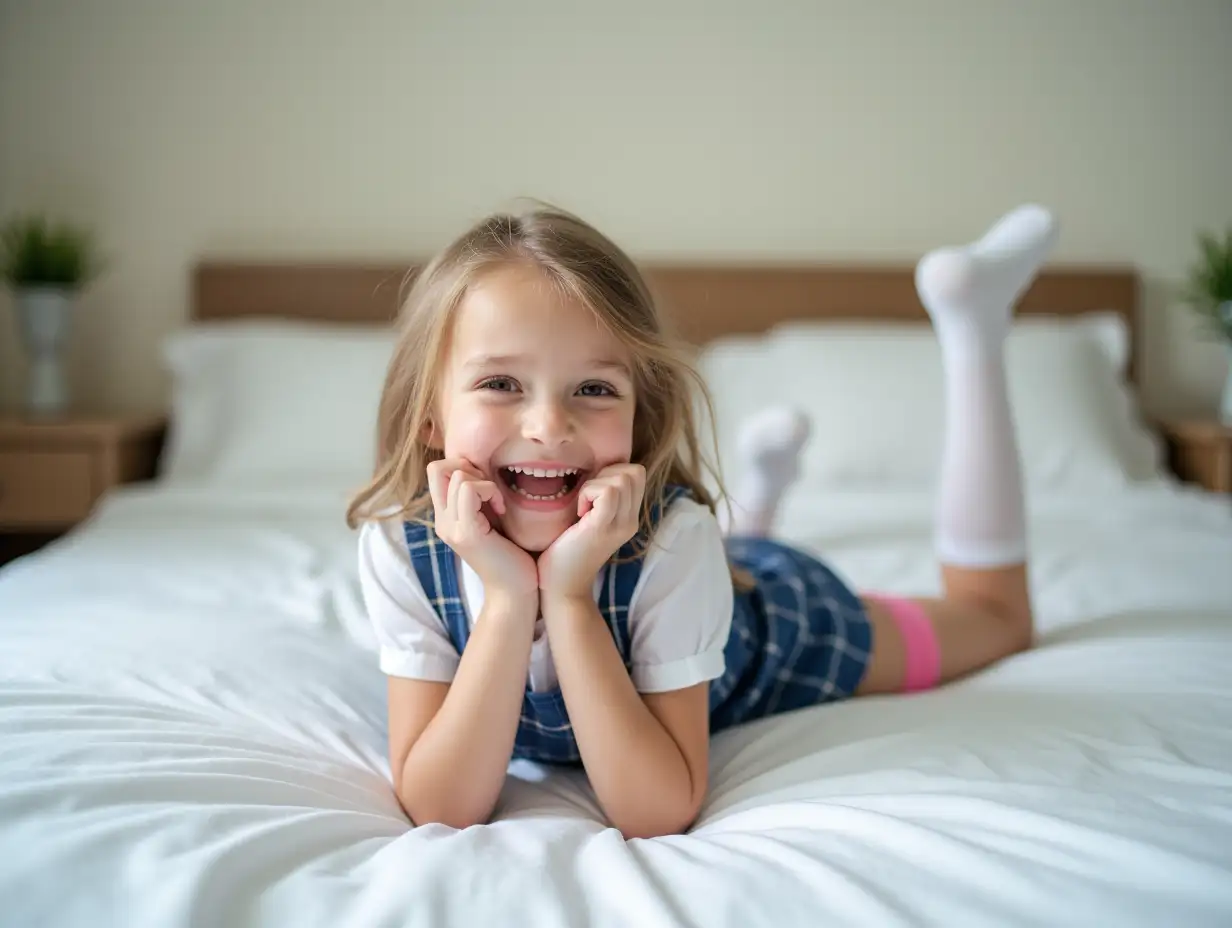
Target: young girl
x,y
546,572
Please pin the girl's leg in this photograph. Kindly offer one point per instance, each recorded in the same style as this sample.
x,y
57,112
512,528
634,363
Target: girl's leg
x,y
769,446
980,539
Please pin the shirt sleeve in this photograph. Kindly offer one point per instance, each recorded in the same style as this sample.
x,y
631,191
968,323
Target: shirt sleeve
x,y
412,639
681,610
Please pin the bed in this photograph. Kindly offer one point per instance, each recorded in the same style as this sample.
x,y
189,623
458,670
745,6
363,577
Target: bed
x,y
192,723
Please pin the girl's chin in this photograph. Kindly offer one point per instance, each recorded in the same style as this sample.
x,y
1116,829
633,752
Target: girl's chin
x,y
534,535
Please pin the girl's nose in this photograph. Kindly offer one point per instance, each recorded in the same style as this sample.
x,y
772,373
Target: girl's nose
x,y
547,423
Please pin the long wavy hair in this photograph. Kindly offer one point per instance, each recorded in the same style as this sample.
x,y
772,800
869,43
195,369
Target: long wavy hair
x,y
588,268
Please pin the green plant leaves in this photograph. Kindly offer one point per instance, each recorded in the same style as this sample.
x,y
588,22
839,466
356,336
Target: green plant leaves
x,y
36,252
1208,288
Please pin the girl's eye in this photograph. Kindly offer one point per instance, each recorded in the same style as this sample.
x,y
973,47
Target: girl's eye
x,y
500,384
596,389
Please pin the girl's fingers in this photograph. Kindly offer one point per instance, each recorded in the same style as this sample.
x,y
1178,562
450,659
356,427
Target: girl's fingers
x,y
486,490
440,474
626,498
497,499
635,495
638,475
590,492
456,479
605,500
438,485
469,506
469,499
628,481
607,506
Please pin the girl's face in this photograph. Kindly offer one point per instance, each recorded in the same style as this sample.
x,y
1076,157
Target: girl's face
x,y
537,396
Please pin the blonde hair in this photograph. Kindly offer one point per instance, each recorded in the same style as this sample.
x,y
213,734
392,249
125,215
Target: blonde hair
x,y
585,266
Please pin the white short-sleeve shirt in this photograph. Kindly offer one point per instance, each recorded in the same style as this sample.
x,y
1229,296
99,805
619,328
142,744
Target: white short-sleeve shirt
x,y
679,616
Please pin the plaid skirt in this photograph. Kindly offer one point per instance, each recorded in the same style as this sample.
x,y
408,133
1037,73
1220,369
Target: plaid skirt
x,y
798,638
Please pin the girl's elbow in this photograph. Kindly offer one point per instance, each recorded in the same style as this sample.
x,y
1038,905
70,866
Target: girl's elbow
x,y
448,818
659,828
660,823
423,810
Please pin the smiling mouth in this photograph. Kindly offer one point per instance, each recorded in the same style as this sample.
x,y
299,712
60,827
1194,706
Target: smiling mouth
x,y
541,484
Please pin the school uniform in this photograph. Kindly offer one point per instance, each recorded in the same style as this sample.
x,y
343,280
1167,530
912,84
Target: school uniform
x,y
798,638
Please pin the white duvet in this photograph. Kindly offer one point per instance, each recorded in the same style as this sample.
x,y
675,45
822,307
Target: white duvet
x,y
192,733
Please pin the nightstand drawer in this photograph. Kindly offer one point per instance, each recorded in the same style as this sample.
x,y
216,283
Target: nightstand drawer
x,y
1200,452
45,488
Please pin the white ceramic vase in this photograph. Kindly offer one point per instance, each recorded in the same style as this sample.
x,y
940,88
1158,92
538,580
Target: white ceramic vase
x,y
1225,404
44,317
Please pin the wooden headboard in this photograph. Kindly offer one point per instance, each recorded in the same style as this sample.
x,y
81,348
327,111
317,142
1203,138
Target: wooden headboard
x,y
705,301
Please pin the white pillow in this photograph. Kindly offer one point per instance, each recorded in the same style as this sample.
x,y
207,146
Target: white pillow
x,y
874,394
272,403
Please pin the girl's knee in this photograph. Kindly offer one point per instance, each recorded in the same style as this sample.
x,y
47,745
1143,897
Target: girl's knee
x,y
999,595
1021,627
1008,623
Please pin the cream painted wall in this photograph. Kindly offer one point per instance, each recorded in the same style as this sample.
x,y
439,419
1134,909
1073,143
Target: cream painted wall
x,y
806,129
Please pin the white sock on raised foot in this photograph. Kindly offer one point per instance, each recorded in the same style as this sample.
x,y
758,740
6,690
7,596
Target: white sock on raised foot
x,y
769,447
970,293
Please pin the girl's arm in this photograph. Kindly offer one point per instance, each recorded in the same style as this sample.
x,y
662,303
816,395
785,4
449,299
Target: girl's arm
x,y
647,756
450,743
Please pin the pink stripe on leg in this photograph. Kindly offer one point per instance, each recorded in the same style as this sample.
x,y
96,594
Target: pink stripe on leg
x,y
922,651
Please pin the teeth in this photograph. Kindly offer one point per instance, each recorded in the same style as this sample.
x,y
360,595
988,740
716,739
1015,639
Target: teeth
x,y
557,495
543,472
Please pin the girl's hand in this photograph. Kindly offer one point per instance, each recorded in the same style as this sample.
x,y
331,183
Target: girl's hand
x,y
608,508
459,493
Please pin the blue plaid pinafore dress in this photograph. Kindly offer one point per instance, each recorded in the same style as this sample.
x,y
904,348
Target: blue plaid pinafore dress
x,y
799,637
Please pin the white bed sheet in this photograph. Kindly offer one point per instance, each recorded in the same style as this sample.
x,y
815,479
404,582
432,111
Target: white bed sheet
x,y
192,733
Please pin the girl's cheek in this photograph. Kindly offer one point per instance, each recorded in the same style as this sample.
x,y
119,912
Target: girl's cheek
x,y
614,436
483,431
481,435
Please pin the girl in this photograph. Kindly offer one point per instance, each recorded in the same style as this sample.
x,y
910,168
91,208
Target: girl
x,y
546,572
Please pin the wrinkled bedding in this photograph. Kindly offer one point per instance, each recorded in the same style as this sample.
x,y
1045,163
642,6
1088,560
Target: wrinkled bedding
x,y
192,733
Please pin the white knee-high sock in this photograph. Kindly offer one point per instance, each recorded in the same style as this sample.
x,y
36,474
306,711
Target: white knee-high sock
x,y
769,445
970,293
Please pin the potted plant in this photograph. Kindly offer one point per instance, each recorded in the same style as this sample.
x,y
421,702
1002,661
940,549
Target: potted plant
x,y
1208,291
46,266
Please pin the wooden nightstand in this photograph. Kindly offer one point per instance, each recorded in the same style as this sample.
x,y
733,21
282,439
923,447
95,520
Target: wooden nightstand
x,y
52,473
1200,451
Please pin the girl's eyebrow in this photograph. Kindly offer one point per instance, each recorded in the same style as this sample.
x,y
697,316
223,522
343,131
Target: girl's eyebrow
x,y
494,360
484,361
617,366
